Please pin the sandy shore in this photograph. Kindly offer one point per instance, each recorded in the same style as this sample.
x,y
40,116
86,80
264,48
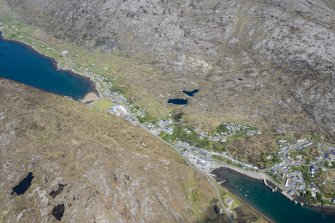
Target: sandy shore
x,y
90,97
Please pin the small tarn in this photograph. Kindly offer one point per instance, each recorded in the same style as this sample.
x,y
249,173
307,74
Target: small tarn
x,y
24,184
191,93
178,101
58,211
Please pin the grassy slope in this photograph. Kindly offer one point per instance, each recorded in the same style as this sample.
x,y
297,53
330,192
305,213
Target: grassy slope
x,y
133,76
53,127
111,66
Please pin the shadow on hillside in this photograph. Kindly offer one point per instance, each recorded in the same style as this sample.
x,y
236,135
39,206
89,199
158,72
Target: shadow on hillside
x,y
213,217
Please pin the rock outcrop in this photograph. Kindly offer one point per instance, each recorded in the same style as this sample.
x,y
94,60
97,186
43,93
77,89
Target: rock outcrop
x,y
86,166
264,60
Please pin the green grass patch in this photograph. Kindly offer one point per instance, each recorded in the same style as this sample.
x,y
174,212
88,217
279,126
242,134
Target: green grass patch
x,y
177,116
147,118
191,137
222,128
231,139
102,105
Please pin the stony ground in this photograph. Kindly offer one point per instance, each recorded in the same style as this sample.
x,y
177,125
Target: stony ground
x,y
110,170
265,62
268,63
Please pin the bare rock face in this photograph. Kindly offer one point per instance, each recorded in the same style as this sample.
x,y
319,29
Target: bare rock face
x,y
267,60
88,167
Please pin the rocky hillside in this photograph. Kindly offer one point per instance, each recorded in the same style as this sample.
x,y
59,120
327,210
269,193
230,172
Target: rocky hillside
x,y
88,167
266,61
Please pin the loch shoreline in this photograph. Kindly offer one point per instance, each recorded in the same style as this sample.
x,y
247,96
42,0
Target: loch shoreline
x,y
326,210
94,88
93,85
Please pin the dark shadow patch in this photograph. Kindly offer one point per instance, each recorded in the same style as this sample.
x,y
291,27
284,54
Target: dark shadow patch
x,y
216,209
58,211
59,190
177,117
211,216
